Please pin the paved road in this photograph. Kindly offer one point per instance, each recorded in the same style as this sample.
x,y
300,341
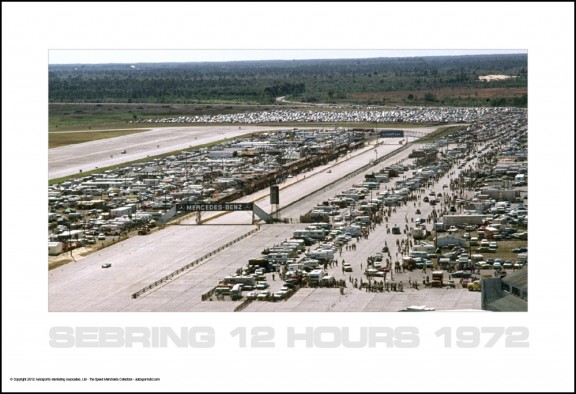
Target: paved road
x,y
141,260
70,159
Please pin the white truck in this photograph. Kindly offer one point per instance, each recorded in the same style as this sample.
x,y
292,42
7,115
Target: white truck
x,y
316,276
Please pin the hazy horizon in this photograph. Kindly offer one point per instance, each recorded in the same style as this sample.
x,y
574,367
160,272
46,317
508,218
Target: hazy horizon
x,y
119,56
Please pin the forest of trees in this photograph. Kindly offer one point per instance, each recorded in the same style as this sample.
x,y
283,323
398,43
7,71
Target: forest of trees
x,y
258,82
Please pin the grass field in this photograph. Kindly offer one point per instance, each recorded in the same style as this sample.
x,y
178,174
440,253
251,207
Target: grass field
x,y
454,96
62,138
89,116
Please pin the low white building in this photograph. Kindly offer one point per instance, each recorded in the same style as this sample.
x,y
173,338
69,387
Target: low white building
x,y
54,248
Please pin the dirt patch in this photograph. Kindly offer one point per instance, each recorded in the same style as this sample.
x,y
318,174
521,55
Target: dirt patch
x,y
444,93
499,77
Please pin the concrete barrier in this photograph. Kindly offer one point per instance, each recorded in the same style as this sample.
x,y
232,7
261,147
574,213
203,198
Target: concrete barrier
x,y
190,265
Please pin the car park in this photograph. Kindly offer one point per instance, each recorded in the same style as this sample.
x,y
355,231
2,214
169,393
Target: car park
x,y
348,265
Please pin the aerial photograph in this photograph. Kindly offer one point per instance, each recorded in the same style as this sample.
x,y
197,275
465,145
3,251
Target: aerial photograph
x,y
287,197
295,181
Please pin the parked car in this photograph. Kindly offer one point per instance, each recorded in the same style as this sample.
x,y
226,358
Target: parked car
x,y
262,285
101,236
373,272
289,284
263,295
280,295
252,295
107,265
461,274
347,267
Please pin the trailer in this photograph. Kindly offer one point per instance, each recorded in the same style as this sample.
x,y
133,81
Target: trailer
x,y
316,276
462,220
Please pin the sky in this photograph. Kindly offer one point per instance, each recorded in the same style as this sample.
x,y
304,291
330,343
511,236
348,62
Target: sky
x,y
79,56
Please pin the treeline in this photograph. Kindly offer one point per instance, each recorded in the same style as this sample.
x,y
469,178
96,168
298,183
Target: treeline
x,y
262,81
